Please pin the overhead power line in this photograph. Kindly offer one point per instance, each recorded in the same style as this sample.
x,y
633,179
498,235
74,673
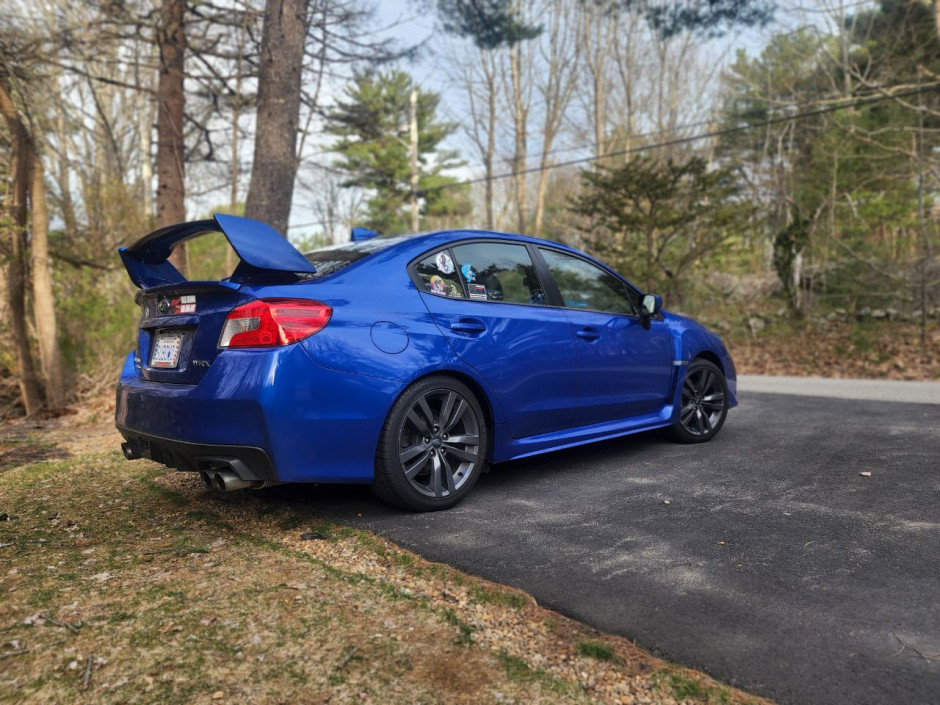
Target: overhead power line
x,y
694,138
684,140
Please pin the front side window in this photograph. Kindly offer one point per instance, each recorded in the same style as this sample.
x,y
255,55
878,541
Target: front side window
x,y
499,271
586,286
439,275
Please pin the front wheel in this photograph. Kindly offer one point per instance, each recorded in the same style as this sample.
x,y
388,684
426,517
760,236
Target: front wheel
x,y
433,446
704,404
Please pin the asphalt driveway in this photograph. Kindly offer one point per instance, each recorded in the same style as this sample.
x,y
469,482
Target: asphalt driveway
x,y
775,566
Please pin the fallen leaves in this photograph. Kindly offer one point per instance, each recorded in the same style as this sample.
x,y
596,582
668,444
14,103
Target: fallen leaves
x,y
889,350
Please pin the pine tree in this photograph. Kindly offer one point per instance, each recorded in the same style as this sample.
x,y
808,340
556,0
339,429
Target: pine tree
x,y
372,123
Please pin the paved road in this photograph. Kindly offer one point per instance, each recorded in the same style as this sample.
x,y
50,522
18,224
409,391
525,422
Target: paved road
x,y
775,567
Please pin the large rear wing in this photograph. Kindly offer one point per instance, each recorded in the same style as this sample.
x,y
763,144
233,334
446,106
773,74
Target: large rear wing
x,y
261,249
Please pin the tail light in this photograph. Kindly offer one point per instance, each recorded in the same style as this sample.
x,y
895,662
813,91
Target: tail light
x,y
267,323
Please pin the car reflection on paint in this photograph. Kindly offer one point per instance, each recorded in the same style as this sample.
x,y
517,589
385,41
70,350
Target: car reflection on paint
x,y
407,362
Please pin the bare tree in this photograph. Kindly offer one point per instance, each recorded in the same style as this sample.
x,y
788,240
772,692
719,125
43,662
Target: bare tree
x,y
44,314
17,269
556,83
519,90
477,74
600,25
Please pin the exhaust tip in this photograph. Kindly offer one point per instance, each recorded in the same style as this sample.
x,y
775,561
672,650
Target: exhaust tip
x,y
206,479
226,481
129,452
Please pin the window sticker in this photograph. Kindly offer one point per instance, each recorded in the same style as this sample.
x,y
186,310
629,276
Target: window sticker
x,y
469,273
478,292
437,285
453,290
444,263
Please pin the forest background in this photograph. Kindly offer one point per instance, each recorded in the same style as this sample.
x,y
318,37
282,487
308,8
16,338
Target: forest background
x,y
770,169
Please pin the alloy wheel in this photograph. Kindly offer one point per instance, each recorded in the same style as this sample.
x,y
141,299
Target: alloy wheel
x,y
439,443
703,402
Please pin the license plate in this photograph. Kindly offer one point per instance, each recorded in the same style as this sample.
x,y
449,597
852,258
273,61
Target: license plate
x,y
166,350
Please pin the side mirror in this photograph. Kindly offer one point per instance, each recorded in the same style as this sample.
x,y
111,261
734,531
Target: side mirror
x,y
652,305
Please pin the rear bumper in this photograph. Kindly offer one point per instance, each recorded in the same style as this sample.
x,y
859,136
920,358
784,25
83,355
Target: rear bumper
x,y
248,462
277,412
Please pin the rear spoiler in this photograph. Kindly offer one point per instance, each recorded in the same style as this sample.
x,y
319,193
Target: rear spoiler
x,y
260,248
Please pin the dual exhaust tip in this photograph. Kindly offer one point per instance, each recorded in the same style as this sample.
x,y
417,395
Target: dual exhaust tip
x,y
225,480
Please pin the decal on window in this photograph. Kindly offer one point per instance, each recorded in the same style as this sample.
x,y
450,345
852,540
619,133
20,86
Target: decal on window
x,y
436,285
444,263
478,291
469,273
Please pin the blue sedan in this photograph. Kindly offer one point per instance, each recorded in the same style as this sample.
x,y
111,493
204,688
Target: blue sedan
x,y
406,362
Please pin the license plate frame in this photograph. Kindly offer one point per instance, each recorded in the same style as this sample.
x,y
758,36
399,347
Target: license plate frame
x,y
165,354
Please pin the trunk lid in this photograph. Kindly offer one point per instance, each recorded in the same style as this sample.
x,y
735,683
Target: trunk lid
x,y
181,321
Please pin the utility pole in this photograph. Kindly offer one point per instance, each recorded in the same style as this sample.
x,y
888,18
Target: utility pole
x,y
413,126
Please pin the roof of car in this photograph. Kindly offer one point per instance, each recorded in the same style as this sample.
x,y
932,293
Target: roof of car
x,y
427,240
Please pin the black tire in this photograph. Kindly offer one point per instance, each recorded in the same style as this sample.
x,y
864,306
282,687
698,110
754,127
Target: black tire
x,y
703,403
433,446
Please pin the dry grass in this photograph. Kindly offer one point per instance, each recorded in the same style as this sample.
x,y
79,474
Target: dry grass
x,y
127,583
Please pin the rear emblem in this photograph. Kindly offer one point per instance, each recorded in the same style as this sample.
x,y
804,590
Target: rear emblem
x,y
163,306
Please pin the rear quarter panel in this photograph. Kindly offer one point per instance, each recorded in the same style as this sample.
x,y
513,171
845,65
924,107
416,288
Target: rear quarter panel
x,y
380,328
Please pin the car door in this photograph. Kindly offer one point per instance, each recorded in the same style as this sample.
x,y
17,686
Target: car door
x,y
488,301
625,368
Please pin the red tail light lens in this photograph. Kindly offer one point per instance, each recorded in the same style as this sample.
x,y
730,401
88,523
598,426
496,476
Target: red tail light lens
x,y
267,323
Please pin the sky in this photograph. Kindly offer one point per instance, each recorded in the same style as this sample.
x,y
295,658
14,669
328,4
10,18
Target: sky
x,y
405,21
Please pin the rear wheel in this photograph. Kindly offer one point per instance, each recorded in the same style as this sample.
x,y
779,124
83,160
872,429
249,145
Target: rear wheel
x,y
704,404
433,446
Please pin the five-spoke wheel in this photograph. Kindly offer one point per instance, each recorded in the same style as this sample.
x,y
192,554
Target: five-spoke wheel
x,y
704,403
433,446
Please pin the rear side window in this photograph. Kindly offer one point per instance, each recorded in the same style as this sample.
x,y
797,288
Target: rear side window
x,y
585,286
498,271
439,275
333,258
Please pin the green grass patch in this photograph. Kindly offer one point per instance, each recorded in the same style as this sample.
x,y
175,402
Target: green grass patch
x,y
519,671
684,687
174,498
596,650
465,635
491,596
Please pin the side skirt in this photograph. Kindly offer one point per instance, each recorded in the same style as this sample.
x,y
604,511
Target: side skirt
x,y
513,449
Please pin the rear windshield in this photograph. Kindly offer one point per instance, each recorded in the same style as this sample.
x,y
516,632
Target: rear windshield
x,y
332,258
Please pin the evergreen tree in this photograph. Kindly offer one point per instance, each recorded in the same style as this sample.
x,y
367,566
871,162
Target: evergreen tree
x,y
372,123
654,220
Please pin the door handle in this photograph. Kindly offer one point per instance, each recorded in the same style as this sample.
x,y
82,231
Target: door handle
x,y
588,334
468,325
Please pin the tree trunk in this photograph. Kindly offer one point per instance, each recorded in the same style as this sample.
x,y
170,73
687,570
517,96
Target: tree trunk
x,y
235,169
145,115
413,131
62,176
271,187
17,272
489,72
171,167
520,119
43,299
